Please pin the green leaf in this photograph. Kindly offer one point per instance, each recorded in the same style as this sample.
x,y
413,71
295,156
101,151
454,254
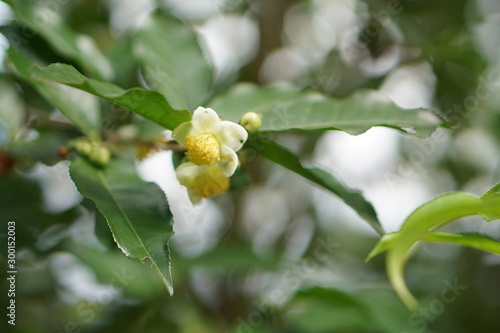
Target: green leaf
x,y
474,240
43,20
173,62
493,192
147,103
136,211
428,217
134,280
332,310
327,310
80,108
283,109
284,157
384,244
12,108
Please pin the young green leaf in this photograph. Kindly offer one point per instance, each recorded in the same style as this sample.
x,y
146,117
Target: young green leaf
x,y
474,240
173,62
284,157
137,212
431,216
150,104
493,192
282,109
80,108
48,23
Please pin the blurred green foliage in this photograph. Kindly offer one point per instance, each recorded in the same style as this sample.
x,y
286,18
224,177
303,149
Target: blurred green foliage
x,y
238,274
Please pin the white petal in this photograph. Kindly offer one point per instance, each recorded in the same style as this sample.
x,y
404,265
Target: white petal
x,y
186,172
181,131
206,120
229,161
232,135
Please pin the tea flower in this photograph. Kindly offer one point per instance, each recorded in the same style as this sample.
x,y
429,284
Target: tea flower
x,y
211,146
209,140
203,181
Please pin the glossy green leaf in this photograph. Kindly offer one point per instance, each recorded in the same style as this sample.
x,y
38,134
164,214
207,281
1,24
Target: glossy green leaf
x,y
283,109
147,103
43,20
80,108
429,217
137,212
284,157
173,62
12,107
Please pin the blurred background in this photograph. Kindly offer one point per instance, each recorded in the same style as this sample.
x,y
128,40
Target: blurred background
x,y
278,255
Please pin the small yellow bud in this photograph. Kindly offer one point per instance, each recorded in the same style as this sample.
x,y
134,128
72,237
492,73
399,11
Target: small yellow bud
x,y
92,150
202,149
99,155
251,121
82,146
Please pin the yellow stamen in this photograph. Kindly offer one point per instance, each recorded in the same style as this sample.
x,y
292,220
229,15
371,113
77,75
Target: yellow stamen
x,y
210,183
202,149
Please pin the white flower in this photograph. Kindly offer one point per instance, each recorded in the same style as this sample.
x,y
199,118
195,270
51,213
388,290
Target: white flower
x,y
209,140
211,146
202,181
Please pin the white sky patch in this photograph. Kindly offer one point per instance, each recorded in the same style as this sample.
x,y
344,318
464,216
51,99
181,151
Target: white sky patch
x,y
128,14
5,13
232,41
79,282
358,159
59,191
284,64
5,16
394,205
467,143
194,9
411,86
332,19
362,162
298,28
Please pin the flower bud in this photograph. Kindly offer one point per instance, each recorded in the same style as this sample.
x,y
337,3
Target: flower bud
x,y
251,122
99,156
82,146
